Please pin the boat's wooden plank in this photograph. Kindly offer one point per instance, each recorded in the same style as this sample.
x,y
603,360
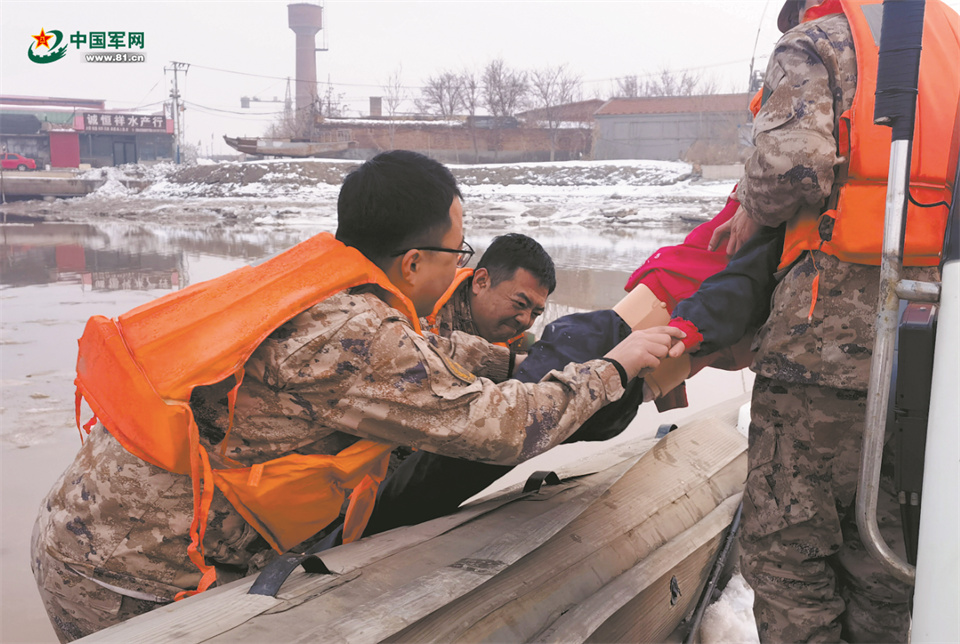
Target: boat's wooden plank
x,y
654,572
392,611
672,488
389,573
380,567
555,589
344,561
190,620
638,622
301,587
395,564
726,413
590,463
650,617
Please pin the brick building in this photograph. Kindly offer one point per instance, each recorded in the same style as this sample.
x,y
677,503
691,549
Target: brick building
x,y
66,132
703,129
480,140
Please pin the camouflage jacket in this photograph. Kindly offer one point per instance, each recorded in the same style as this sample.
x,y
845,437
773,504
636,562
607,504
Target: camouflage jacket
x,y
456,314
810,81
348,367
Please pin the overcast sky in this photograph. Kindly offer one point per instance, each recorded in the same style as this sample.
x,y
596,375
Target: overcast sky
x,y
367,42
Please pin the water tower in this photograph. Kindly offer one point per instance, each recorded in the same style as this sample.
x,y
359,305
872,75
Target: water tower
x,y
306,20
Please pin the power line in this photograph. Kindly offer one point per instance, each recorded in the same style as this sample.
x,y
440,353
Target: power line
x,y
421,87
222,111
140,103
674,71
230,71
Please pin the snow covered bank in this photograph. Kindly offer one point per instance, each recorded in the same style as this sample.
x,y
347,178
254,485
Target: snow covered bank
x,y
599,195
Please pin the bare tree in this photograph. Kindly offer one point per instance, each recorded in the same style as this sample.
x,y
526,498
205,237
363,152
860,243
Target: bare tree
x,y
551,88
504,89
663,83
670,83
332,104
470,96
708,86
293,124
626,87
442,94
393,94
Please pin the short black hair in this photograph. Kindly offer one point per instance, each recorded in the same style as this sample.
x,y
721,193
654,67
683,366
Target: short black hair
x,y
509,252
396,200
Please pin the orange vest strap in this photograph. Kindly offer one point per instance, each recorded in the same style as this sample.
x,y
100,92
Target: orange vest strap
x,y
202,498
362,500
231,407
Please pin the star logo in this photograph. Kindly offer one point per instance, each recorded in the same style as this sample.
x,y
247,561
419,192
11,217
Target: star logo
x,y
54,51
42,40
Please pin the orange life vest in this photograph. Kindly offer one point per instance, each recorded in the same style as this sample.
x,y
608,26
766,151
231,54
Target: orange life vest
x,y
137,374
859,197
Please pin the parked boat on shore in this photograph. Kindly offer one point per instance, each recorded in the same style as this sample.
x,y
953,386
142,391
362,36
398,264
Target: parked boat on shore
x,y
287,147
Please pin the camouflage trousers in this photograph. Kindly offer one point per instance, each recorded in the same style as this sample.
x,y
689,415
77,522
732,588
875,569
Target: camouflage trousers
x,y
800,548
76,605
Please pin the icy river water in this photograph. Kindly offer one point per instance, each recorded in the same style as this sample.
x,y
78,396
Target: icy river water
x,y
55,275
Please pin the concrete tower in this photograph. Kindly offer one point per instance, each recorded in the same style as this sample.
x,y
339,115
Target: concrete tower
x,y
306,20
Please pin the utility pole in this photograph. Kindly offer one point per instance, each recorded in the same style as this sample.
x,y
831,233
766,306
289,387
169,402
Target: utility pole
x,y
177,109
752,81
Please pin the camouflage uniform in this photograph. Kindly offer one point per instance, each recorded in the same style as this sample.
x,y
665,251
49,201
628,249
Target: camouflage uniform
x,y
800,549
111,538
457,314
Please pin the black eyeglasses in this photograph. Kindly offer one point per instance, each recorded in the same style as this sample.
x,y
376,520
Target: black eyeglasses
x,y
465,252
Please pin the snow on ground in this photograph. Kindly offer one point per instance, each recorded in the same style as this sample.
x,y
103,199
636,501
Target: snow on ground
x,y
730,620
596,195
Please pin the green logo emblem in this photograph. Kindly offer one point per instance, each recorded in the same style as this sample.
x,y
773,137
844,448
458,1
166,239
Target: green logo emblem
x,y
43,40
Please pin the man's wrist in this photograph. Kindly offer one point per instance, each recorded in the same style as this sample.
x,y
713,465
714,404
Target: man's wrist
x,y
624,380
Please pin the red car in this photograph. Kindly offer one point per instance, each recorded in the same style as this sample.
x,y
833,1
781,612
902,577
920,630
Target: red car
x,y
13,161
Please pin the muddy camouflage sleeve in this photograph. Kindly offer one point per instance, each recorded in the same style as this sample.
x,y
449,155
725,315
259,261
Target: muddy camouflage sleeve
x,y
792,166
409,391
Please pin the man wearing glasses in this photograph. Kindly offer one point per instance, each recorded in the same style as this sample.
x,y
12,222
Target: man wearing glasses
x,y
345,380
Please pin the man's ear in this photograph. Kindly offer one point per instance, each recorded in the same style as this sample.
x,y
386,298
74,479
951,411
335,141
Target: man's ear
x,y
411,265
481,280
403,270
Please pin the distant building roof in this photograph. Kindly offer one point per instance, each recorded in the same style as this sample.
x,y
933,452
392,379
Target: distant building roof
x,y
46,101
675,104
579,111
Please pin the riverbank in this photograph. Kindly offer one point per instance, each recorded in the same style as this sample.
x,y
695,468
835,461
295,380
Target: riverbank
x,y
593,194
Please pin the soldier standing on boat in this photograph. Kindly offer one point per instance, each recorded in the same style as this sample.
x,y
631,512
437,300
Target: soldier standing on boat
x,y
198,472
800,548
